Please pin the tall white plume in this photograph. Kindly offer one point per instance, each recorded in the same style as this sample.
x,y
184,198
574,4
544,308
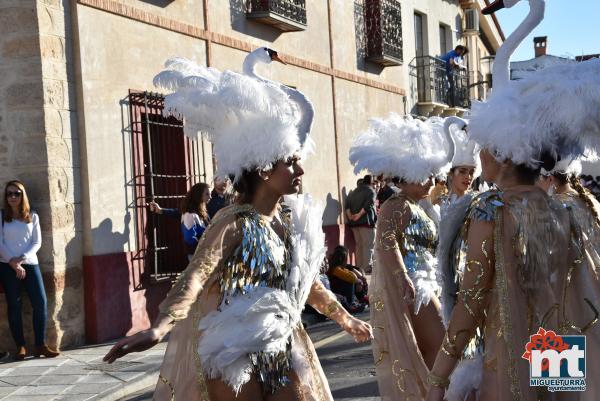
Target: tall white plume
x,y
556,109
251,121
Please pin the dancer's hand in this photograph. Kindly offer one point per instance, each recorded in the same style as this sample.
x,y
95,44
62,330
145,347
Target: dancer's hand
x,y
435,394
361,331
407,289
138,342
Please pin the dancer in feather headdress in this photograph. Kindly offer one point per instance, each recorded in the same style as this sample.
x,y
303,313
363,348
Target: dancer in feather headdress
x,y
236,308
403,293
525,258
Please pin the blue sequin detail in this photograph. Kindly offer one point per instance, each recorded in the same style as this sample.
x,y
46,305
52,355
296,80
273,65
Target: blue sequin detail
x,y
483,207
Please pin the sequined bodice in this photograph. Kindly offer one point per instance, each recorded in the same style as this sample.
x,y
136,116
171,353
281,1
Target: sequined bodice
x,y
419,239
262,259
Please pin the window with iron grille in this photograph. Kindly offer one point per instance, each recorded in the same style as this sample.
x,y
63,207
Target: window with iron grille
x,y
383,26
165,165
285,15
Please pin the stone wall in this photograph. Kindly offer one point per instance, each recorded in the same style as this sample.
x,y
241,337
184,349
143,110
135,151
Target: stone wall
x,y
36,147
63,173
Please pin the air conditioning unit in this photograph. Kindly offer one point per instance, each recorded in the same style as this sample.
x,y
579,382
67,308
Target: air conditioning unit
x,y
471,19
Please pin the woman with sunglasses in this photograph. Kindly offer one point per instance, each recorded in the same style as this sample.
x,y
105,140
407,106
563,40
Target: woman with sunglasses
x,y
20,239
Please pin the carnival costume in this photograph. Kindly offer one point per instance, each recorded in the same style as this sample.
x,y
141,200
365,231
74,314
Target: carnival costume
x,y
236,308
525,259
414,151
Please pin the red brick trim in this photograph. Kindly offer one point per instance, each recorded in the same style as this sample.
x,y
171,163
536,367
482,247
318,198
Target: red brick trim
x,y
136,14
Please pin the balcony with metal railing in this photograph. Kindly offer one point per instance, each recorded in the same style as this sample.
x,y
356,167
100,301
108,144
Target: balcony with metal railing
x,y
383,27
438,91
285,15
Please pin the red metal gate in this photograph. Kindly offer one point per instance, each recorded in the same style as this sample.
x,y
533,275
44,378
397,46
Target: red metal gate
x,y
165,165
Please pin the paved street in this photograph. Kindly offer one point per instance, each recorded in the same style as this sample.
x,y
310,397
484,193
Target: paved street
x,y
349,366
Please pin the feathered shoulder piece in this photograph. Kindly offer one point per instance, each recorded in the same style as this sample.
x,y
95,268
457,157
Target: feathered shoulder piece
x,y
404,147
252,122
555,110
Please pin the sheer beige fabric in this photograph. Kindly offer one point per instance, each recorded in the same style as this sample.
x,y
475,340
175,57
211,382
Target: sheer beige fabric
x,y
523,272
401,370
195,294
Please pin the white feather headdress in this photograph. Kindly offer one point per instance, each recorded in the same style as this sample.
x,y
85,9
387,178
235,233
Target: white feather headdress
x,y
403,147
566,166
555,110
252,122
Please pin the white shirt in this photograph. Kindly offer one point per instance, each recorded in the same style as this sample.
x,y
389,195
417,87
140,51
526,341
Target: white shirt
x,y
18,238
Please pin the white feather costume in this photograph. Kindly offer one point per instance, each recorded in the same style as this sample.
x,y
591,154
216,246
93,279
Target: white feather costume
x,y
251,325
264,318
415,151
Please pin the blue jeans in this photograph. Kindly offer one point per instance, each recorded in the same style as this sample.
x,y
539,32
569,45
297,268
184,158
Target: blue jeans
x,y
37,295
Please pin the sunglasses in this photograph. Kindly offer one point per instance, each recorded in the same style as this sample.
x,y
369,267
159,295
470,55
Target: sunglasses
x,y
15,194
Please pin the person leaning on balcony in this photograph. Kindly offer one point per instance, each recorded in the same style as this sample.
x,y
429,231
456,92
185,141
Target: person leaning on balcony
x,y
20,239
454,60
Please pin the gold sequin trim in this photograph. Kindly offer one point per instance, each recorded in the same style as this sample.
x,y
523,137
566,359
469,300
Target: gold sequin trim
x,y
401,374
505,317
332,307
168,383
311,360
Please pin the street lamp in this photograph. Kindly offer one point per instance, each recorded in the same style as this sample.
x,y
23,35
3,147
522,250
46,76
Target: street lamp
x,y
488,64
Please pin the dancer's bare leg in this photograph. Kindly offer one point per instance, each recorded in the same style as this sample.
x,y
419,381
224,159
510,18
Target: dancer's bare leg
x,y
252,391
218,390
429,330
291,392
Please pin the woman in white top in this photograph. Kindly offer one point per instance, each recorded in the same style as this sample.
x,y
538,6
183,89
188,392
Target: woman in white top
x,y
20,239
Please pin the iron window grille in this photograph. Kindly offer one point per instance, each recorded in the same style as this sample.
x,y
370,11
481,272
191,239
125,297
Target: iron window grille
x,y
433,82
165,165
383,25
285,15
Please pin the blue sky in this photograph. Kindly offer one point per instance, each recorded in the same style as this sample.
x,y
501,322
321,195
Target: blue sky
x,y
572,27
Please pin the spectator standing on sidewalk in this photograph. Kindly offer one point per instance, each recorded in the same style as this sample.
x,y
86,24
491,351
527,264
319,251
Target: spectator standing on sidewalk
x,y
389,188
220,196
20,240
360,211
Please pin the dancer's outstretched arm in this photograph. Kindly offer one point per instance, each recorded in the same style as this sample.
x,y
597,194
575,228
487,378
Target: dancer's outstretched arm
x,y
218,241
325,302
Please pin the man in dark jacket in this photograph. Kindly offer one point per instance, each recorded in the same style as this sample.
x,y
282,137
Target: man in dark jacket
x,y
360,211
219,197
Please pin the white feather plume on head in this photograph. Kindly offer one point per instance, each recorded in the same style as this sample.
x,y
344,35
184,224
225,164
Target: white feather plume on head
x,y
251,123
404,147
566,166
555,110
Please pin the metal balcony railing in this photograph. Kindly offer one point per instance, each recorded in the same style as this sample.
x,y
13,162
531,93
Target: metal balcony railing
x,y
285,15
383,26
435,84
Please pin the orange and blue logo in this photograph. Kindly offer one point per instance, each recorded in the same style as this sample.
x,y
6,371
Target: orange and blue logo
x,y
556,362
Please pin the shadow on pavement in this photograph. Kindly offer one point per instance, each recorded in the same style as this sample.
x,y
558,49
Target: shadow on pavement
x,y
366,389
